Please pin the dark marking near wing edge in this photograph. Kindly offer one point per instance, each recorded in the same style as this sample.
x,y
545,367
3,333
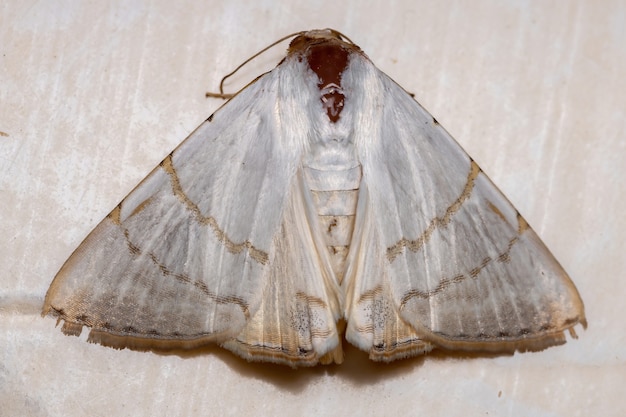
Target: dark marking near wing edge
x,y
210,118
522,225
116,215
435,121
496,210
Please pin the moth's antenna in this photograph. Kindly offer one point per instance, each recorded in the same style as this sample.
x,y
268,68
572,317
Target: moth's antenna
x,y
341,36
225,96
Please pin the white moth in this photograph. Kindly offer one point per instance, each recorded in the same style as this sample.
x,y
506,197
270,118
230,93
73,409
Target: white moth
x,y
321,199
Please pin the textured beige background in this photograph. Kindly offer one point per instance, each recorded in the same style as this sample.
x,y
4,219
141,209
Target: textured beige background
x,y
94,94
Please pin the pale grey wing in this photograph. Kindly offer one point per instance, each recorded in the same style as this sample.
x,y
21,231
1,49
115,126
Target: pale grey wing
x,y
296,322
188,256
462,267
373,318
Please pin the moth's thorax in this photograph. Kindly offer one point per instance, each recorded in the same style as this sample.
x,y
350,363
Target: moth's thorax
x,y
328,57
335,193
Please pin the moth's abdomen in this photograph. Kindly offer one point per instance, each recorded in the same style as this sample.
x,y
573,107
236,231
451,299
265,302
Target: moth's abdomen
x,y
335,194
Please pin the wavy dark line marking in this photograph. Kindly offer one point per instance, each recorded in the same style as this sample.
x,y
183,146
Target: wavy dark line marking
x,y
473,273
311,300
198,284
414,245
256,254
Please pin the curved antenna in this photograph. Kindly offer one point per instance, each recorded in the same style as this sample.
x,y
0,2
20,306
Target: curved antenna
x,y
233,72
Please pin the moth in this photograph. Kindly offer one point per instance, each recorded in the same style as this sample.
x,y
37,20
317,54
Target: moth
x,y
321,200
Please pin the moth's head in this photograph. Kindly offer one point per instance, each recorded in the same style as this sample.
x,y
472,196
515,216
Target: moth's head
x,y
313,39
327,53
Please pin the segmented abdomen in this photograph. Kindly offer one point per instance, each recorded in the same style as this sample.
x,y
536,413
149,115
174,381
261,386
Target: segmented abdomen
x,y
335,195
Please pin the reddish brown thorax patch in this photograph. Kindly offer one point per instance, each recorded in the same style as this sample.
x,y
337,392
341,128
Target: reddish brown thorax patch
x,y
328,58
329,61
